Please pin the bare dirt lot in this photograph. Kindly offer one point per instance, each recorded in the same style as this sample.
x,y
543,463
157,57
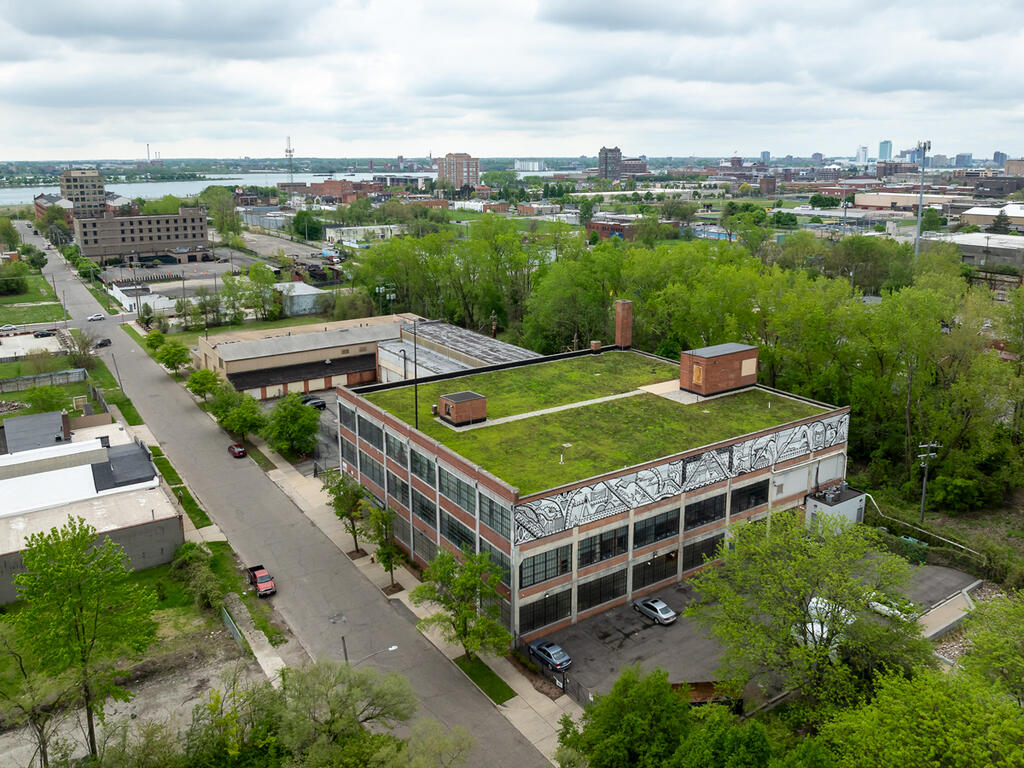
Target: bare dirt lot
x,y
166,689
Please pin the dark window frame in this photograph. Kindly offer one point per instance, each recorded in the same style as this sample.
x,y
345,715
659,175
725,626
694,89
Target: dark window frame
x,y
371,469
693,553
603,546
704,511
545,611
748,497
599,591
418,464
495,516
545,566
658,527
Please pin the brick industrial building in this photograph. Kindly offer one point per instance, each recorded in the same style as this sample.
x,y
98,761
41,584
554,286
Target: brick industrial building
x,y
615,476
84,188
609,163
180,237
459,169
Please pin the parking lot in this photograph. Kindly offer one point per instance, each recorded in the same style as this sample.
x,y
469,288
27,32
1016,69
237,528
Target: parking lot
x,y
21,344
602,646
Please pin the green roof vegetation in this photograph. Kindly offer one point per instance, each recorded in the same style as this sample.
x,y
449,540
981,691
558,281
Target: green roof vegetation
x,y
602,437
535,387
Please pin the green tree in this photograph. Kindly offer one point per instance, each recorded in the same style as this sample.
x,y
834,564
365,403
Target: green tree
x,y
640,722
586,206
46,398
203,382
784,594
931,221
82,612
260,295
225,397
172,354
9,235
308,226
347,496
717,737
14,278
154,340
1000,224
933,720
995,634
221,203
824,201
30,695
378,528
245,417
233,297
467,594
292,426
145,315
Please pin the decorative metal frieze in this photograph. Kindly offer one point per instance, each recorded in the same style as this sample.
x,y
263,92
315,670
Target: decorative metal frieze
x,y
563,511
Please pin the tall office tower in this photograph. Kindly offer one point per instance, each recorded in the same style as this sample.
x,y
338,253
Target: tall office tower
x,y
84,188
885,150
766,156
862,155
609,163
999,158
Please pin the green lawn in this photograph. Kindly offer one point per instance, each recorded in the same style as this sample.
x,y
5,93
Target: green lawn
x,y
38,290
169,472
497,689
24,368
534,387
69,391
36,313
532,454
195,512
259,457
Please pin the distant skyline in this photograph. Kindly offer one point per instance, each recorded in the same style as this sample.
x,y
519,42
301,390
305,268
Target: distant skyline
x,y
360,78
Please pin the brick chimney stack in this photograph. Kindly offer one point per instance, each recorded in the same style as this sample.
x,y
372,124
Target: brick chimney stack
x,y
624,323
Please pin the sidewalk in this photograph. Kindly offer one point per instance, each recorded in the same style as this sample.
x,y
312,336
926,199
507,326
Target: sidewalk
x,y
532,713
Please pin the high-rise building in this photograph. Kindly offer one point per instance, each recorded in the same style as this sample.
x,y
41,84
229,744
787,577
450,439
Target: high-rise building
x,y
459,169
530,165
609,163
885,150
938,161
766,156
862,155
999,158
964,160
817,157
84,188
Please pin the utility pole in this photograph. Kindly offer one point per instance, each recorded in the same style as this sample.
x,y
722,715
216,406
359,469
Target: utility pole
x,y
928,455
922,149
415,378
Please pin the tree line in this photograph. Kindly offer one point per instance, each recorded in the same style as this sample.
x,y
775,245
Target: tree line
x,y
917,362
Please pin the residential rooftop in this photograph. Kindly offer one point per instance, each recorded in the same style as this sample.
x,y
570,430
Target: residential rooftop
x,y
562,421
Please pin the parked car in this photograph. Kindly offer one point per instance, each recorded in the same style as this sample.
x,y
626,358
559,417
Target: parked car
x,y
96,316
654,609
8,327
103,343
261,580
550,655
42,334
237,450
314,402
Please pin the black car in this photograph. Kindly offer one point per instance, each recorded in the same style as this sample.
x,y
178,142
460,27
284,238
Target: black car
x,y
44,334
550,655
314,402
103,343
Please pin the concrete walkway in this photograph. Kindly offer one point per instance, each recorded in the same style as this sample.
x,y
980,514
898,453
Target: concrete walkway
x,y
948,614
541,412
532,713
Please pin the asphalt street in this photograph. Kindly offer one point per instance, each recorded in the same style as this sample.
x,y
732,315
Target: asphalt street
x,y
321,594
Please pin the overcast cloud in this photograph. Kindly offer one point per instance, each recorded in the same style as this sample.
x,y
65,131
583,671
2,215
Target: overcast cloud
x,y
356,78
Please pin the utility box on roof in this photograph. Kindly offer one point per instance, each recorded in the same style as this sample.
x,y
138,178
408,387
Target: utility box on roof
x,y
721,368
461,408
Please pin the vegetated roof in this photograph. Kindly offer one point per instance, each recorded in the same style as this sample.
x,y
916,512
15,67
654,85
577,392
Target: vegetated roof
x,y
718,350
549,449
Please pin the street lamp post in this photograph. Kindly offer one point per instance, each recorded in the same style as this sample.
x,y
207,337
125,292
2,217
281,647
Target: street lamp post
x,y
926,457
344,651
922,148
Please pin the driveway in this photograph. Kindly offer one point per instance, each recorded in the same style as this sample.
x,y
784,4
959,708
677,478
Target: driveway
x,y
322,594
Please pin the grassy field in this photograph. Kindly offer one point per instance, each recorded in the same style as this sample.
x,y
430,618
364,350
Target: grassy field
x,y
534,387
69,392
35,313
24,368
38,290
552,449
488,681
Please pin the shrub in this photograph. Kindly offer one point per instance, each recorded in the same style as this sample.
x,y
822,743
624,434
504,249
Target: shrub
x,y
192,565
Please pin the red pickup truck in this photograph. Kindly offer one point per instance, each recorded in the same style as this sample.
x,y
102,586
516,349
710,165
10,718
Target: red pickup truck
x,y
261,580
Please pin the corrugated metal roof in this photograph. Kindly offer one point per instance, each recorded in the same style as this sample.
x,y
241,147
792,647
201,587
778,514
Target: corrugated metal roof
x,y
485,350
304,342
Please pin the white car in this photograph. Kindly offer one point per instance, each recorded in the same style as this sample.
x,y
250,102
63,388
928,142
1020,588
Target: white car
x,y
8,327
96,316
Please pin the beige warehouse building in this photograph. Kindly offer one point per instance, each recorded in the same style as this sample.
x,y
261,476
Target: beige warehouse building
x,y
983,216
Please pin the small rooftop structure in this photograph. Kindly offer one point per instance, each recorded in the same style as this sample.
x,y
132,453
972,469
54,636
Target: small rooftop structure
x,y
462,408
719,368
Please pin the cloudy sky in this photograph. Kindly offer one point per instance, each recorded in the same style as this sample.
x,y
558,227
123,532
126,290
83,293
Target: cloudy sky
x,y
83,79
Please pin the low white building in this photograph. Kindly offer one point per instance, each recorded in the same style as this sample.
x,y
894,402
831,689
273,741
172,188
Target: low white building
x,y
363,234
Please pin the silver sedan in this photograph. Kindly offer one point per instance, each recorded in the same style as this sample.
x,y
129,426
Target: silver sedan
x,y
655,609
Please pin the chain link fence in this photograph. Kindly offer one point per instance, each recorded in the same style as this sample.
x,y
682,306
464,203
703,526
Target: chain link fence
x,y
57,379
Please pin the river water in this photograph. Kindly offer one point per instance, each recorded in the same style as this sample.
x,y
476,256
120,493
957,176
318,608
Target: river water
x,y
151,190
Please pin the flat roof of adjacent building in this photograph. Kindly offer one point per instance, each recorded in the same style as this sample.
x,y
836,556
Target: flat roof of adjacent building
x,y
1011,209
105,513
229,337
561,421
298,288
305,342
37,430
426,359
718,350
483,349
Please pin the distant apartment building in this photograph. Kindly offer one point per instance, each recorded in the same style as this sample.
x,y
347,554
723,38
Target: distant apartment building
x,y
893,167
530,165
938,161
766,157
999,158
84,188
633,166
179,237
609,163
459,169
817,157
862,155
964,160
1014,167
884,150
